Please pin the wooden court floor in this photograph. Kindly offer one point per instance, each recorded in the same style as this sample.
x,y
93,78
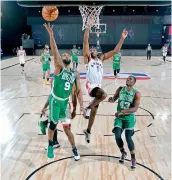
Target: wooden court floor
x,y
22,149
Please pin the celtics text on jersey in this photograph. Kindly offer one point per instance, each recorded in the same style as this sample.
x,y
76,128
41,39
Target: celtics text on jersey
x,y
63,83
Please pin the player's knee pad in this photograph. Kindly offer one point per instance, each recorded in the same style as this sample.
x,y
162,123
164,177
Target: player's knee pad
x,y
52,126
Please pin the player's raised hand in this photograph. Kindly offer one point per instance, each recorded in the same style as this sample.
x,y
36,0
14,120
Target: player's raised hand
x,y
49,28
90,21
124,33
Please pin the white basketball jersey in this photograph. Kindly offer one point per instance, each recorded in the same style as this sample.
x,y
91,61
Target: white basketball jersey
x,y
95,71
164,49
21,54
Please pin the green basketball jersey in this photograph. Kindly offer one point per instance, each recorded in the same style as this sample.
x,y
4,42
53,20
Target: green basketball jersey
x,y
74,52
116,61
126,99
45,58
62,83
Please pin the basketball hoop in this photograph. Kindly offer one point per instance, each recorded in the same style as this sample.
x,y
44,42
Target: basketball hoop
x,y
88,12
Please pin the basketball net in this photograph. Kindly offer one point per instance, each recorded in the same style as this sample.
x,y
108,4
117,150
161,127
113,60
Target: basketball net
x,y
90,12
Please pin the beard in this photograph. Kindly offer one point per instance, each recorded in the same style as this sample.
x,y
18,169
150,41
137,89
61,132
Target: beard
x,y
66,61
93,55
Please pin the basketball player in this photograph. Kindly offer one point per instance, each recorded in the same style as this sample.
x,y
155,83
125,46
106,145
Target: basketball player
x,y
21,53
128,104
66,123
116,63
75,57
45,60
64,81
94,77
47,47
164,52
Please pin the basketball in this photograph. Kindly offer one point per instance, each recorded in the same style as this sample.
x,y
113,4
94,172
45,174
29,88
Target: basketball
x,y
50,13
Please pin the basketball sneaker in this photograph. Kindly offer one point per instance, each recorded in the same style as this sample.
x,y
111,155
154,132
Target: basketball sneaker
x,y
123,157
87,136
133,164
42,127
87,113
76,154
50,152
55,145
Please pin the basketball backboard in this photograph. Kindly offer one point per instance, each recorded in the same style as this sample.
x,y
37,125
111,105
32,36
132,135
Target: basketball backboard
x,y
101,28
93,2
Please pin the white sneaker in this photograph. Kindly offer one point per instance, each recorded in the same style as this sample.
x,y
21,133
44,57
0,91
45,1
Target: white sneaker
x,y
76,154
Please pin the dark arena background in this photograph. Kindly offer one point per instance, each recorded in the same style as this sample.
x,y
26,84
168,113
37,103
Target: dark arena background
x,y
27,71
147,24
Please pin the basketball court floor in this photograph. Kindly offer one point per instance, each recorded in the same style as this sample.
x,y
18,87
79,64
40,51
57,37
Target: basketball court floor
x,y
23,154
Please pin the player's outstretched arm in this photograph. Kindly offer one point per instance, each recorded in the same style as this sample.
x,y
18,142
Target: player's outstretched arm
x,y
109,54
86,49
116,95
57,58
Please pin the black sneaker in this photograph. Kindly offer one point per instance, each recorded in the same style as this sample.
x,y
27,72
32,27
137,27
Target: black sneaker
x,y
76,154
87,136
133,164
55,145
123,157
